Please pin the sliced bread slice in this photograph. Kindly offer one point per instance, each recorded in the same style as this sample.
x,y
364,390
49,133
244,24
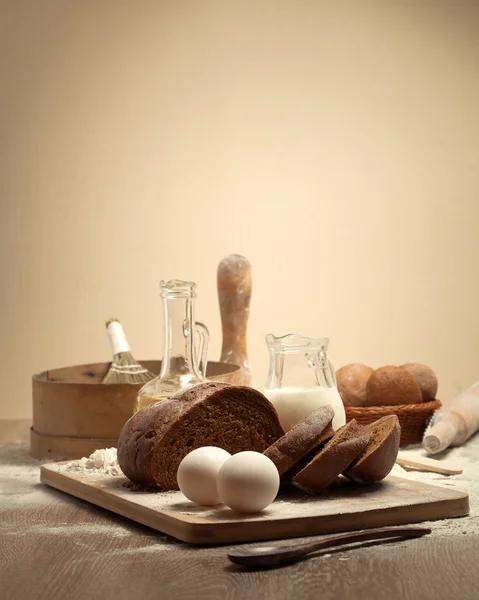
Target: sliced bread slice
x,y
379,456
305,436
341,450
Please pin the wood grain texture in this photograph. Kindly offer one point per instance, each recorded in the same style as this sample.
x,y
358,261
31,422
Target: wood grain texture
x,y
345,508
125,560
73,401
59,447
431,465
56,547
234,282
73,407
275,556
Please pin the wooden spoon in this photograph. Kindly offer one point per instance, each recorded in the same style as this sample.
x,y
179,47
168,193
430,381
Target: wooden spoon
x,y
430,465
273,556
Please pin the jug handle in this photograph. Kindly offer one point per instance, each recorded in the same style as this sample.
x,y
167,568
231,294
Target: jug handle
x,y
333,373
328,370
202,353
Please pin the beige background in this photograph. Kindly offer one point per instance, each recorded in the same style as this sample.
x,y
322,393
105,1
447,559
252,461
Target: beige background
x,y
335,144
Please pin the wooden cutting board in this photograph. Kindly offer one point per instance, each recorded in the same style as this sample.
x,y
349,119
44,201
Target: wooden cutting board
x,y
345,507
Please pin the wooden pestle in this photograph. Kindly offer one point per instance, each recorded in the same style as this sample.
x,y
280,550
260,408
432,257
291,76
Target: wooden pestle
x,y
454,425
234,294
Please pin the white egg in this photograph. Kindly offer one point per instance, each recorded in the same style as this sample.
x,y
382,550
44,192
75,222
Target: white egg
x,y
198,473
248,482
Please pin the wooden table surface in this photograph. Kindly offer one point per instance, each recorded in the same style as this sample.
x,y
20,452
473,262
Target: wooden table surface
x,y
53,546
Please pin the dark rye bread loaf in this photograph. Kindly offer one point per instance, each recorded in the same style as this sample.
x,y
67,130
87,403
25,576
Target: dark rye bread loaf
x,y
341,450
305,436
379,456
156,439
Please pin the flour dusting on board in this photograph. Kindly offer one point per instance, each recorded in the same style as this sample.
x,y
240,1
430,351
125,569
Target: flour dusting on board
x,y
101,462
20,487
342,498
468,481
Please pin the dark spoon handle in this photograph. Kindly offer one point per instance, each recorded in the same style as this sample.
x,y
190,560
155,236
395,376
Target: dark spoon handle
x,y
271,556
364,536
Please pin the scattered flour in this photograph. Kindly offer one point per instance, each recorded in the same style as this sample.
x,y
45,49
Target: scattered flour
x,y
85,528
20,487
101,462
466,457
15,458
20,477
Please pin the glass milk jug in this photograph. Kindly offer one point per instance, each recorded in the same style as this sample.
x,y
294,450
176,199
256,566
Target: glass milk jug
x,y
185,345
301,378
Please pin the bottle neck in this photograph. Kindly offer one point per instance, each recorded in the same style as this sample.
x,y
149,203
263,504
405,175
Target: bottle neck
x,y
178,314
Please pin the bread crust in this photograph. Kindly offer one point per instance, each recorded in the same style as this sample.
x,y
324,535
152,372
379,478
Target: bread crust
x,y
392,386
156,438
425,378
301,439
341,450
352,381
379,456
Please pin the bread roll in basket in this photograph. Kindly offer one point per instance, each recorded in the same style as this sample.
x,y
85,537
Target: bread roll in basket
x,y
370,395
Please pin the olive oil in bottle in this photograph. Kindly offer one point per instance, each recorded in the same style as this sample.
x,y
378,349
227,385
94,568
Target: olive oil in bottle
x,y
181,366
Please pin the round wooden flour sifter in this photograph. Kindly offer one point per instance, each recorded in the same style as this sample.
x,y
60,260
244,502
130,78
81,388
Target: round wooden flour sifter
x,y
74,414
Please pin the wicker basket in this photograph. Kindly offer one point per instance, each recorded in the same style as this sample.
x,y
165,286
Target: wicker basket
x,y
413,418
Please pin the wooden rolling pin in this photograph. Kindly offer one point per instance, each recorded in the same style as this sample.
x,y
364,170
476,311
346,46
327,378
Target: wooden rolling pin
x,y
455,424
234,293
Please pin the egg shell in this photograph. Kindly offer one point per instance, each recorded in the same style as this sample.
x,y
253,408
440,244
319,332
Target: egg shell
x,y
248,482
198,472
